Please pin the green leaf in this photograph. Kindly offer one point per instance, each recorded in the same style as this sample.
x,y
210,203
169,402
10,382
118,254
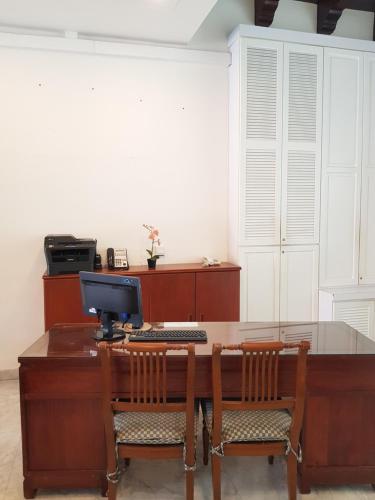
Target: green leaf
x,y
149,252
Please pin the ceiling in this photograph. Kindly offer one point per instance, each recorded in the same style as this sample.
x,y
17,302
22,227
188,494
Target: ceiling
x,y
167,21
197,24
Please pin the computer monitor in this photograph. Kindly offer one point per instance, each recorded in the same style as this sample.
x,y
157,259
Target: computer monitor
x,y
111,298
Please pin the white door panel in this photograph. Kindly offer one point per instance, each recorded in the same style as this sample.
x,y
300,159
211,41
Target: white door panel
x,y
367,249
343,94
299,283
367,241
341,167
339,229
260,284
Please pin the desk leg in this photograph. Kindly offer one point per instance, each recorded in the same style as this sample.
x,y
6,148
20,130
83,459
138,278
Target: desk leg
x,y
304,486
104,487
28,490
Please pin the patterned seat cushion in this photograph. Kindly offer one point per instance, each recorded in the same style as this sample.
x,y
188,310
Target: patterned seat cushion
x,y
151,428
250,425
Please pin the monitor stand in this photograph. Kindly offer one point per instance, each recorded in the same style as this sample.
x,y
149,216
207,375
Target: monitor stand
x,y
106,332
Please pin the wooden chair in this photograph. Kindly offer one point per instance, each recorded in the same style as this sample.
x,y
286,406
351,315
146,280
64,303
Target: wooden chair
x,y
148,424
259,422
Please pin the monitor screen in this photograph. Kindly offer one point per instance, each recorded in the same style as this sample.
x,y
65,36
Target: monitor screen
x,y
111,297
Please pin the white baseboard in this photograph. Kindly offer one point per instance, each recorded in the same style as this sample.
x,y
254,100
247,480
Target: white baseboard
x,y
9,374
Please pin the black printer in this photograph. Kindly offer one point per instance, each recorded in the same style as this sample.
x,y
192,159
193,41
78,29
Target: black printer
x,y
66,254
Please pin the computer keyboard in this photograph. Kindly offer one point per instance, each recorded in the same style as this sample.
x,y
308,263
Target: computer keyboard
x,y
168,336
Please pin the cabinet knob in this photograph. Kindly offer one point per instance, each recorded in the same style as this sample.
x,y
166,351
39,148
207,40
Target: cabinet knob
x,y
360,277
282,251
284,239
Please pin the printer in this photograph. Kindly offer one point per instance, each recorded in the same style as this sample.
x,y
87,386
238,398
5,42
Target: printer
x,y
66,254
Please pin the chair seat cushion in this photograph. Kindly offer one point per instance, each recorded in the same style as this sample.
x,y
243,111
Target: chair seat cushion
x,y
250,425
151,428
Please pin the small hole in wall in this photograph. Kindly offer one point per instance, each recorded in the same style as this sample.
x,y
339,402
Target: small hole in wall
x,y
92,88
39,84
140,100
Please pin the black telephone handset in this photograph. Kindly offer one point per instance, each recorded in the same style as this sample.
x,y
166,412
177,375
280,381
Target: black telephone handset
x,y
117,258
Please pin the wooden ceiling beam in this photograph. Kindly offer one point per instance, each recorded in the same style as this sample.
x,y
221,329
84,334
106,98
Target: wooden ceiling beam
x,y
264,12
329,12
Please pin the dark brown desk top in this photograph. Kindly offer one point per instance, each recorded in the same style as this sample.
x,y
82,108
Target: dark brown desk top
x,y
160,269
74,341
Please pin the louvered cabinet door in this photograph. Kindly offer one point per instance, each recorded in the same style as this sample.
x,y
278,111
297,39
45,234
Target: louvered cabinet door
x,y
259,333
358,314
341,167
367,239
301,163
299,283
259,294
298,333
261,120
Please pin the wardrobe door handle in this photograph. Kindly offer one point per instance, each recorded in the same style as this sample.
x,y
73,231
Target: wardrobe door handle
x,y
190,317
201,316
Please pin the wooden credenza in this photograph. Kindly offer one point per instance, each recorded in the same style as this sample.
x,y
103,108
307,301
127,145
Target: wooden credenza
x,y
174,292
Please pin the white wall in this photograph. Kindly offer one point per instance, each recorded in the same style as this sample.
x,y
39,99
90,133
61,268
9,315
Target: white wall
x,y
96,146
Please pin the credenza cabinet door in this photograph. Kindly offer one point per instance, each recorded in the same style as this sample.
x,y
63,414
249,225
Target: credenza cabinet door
x,y
367,240
359,314
301,162
299,283
217,296
341,167
260,283
62,302
260,129
172,297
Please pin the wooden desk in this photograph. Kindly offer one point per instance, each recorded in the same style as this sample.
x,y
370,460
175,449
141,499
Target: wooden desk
x,y
60,384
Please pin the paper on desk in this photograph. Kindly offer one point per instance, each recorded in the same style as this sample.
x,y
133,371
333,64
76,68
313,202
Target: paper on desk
x,y
180,324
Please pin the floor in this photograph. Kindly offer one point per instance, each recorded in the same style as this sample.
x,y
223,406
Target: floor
x,y
243,478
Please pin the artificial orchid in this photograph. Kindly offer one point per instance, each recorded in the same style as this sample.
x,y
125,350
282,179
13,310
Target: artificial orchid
x,y
154,236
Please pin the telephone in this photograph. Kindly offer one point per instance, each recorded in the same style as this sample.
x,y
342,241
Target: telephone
x,y
209,261
117,258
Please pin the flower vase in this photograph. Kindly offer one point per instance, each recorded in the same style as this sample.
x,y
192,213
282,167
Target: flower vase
x,y
151,263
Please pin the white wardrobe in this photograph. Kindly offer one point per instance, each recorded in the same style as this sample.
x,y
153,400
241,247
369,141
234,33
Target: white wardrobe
x,y
302,172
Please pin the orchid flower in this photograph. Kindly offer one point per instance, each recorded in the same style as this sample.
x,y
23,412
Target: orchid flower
x,y
154,237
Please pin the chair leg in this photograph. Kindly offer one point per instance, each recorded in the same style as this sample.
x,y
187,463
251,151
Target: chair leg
x,y
216,476
270,459
112,491
206,439
292,476
189,485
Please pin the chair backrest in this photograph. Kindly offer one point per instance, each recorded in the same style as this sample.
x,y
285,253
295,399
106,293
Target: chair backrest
x,y
260,382
148,372
148,376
